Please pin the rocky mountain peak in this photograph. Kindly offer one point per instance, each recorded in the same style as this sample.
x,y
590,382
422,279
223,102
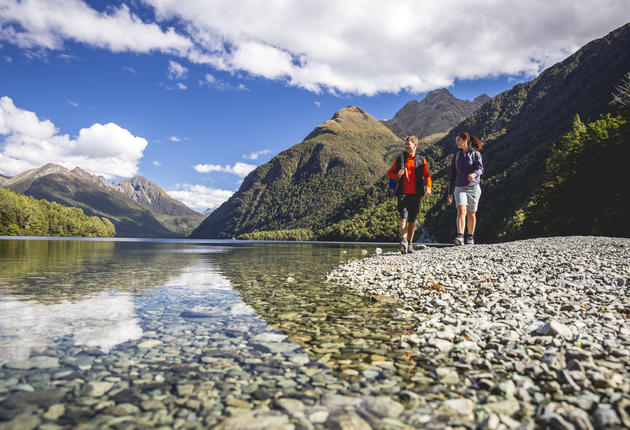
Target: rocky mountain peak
x,y
481,99
351,119
437,112
98,180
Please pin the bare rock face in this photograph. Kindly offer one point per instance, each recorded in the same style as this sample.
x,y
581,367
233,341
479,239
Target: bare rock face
x,y
438,112
152,197
97,180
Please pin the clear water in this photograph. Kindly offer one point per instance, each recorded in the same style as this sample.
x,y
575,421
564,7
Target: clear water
x,y
57,295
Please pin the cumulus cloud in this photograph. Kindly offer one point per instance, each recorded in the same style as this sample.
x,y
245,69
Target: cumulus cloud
x,y
181,86
239,169
388,46
176,70
327,45
102,149
174,139
47,24
199,197
256,154
157,163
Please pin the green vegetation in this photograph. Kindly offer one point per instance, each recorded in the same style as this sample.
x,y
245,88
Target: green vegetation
x,y
298,234
25,216
583,189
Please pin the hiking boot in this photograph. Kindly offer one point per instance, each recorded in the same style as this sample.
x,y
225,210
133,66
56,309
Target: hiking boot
x,y
469,239
459,239
410,248
403,247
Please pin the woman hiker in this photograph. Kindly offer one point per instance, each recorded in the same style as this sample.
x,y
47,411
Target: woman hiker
x,y
409,169
466,168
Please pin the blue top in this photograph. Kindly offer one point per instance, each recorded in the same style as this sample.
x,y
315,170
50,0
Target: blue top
x,y
462,165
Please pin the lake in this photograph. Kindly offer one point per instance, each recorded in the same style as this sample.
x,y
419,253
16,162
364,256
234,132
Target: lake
x,y
187,333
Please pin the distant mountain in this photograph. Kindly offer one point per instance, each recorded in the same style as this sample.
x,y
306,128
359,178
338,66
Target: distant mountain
x,y
303,185
438,112
171,212
207,212
152,197
95,196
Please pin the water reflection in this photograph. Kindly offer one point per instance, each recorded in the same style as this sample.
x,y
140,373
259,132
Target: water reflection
x,y
102,321
80,292
53,271
101,294
179,321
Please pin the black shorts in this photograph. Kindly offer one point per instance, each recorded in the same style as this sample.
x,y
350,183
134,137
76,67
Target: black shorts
x,y
408,206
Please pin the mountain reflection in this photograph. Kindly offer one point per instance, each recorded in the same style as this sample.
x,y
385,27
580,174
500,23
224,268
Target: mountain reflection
x,y
82,292
54,271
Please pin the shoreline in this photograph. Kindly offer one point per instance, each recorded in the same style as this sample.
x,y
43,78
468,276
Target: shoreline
x,y
532,333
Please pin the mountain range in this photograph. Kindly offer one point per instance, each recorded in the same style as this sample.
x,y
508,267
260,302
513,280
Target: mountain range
x,y
547,142
332,183
136,206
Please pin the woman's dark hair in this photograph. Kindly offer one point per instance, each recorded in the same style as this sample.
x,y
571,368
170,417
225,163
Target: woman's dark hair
x,y
473,141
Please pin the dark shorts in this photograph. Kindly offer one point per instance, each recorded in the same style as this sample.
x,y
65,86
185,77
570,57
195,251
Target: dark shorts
x,y
408,206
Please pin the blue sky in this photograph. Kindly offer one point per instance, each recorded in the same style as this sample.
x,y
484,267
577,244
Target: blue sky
x,y
193,95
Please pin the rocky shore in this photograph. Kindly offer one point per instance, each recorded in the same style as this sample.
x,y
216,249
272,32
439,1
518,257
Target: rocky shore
x,y
527,334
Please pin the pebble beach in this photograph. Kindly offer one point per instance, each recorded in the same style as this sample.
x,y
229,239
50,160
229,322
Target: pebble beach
x,y
526,334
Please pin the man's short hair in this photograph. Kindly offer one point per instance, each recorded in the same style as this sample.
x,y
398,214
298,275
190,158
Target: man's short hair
x,y
414,139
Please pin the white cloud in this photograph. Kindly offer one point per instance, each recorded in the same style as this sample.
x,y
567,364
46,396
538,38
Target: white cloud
x,y
176,71
210,81
130,70
378,46
240,169
73,103
102,149
181,86
199,197
157,163
318,104
256,154
46,24
174,139
327,45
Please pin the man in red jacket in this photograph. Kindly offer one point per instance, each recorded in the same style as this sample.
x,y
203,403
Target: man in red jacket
x,y
410,189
